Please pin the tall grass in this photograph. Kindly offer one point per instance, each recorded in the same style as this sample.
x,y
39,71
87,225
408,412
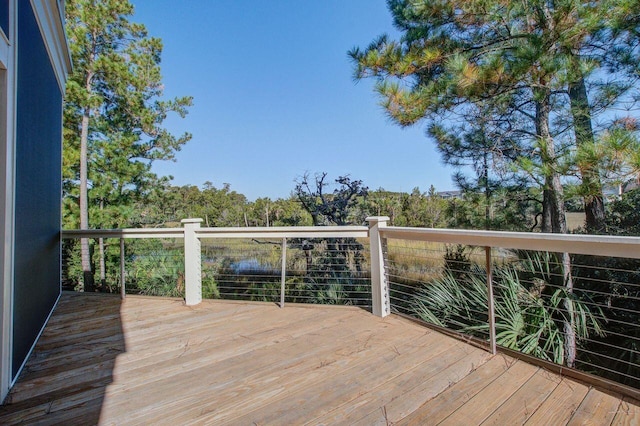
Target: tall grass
x,y
326,271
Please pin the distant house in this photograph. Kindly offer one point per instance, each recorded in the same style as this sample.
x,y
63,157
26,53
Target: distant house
x,y
614,192
34,63
450,195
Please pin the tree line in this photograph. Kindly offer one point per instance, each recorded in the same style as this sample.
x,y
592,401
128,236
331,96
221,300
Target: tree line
x,y
318,200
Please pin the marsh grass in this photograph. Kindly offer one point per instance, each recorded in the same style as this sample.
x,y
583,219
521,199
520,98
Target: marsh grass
x,y
317,271
575,220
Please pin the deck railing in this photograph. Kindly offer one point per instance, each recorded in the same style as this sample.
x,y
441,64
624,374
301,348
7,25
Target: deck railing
x,y
295,264
573,300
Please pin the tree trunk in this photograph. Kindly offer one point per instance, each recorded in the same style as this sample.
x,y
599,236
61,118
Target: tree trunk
x,y
545,226
487,192
569,324
87,273
554,217
591,184
556,198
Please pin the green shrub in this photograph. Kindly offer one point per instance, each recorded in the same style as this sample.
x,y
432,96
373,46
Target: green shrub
x,y
529,306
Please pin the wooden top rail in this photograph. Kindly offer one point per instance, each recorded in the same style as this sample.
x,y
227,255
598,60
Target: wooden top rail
x,y
70,234
258,232
286,232
597,245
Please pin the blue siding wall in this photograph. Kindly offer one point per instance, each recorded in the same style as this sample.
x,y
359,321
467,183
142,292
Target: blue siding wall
x,y
4,16
38,187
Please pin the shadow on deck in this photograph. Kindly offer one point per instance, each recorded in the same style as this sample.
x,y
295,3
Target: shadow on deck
x,y
157,361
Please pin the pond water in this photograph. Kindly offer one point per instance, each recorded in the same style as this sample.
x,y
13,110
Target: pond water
x,y
250,265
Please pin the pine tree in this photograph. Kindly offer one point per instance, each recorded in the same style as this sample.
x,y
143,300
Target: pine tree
x,y
113,117
534,64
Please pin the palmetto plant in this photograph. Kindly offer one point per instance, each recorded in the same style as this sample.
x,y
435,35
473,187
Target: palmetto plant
x,y
158,273
529,306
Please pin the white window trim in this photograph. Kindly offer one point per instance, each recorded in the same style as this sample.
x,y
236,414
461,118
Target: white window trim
x,y
50,20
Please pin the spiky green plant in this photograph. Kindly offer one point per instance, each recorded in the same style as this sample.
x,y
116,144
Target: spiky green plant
x,y
529,308
157,273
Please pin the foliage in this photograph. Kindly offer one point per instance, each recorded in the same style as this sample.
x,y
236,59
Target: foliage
x,y
415,209
624,214
479,145
218,207
334,208
335,275
510,208
116,83
329,277
529,305
525,78
153,267
113,118
613,285
157,273
384,203
250,269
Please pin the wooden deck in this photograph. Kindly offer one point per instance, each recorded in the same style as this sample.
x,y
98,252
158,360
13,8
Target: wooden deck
x,y
156,361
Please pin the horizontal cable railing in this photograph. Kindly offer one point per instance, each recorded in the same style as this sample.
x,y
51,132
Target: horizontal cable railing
x,y
323,265
573,300
151,265
322,271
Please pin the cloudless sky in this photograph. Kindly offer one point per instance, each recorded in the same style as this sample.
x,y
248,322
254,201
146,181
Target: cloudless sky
x,y
274,96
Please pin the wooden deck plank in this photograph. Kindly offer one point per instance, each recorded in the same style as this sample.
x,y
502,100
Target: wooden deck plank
x,y
525,401
200,356
141,347
392,401
483,404
69,405
249,358
561,404
157,361
44,380
285,369
245,346
404,404
344,381
437,409
50,371
177,345
628,413
339,381
597,408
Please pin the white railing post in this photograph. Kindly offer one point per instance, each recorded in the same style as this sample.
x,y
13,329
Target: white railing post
x,y
192,262
123,290
379,285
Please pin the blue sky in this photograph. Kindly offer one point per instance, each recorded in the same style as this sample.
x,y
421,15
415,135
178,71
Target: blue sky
x,y
274,96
